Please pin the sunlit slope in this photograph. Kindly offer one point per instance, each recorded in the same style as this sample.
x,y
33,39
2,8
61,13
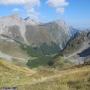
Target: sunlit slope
x,y
72,79
11,75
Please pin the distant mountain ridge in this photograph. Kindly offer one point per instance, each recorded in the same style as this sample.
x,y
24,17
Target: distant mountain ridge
x,y
25,38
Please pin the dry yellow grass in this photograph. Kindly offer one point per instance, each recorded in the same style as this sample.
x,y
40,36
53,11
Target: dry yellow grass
x,y
44,79
11,75
72,79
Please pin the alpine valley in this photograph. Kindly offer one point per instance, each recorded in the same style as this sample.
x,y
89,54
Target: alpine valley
x,y
43,56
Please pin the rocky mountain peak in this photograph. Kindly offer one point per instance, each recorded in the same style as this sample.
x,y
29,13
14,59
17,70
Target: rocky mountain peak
x,y
30,21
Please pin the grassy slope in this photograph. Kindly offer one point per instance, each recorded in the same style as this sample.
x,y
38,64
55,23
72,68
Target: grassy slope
x,y
61,63
72,79
12,49
11,75
44,79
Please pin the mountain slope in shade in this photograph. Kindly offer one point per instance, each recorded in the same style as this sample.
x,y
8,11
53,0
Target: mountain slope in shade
x,y
78,48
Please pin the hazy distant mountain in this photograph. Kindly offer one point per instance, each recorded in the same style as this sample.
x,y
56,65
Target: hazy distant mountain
x,y
48,38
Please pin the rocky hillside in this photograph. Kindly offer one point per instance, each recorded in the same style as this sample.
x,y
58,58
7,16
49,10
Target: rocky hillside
x,y
47,39
78,47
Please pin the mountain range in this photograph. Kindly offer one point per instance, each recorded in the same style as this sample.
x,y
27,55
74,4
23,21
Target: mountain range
x,y
25,39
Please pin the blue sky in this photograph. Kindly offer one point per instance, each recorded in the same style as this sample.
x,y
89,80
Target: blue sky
x,y
74,12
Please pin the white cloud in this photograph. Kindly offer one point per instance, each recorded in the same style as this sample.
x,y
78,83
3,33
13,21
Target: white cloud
x,y
32,12
59,5
32,9
8,2
30,6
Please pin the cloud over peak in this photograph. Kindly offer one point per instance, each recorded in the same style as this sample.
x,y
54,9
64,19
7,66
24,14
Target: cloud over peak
x,y
32,6
29,5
